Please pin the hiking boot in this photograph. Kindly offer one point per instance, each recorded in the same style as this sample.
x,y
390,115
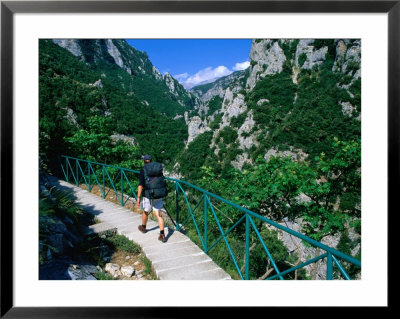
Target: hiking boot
x,y
162,238
142,229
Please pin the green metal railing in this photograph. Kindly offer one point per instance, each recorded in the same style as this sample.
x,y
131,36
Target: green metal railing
x,y
120,179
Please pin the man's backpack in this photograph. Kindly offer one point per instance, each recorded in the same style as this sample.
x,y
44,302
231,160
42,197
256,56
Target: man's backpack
x,y
155,184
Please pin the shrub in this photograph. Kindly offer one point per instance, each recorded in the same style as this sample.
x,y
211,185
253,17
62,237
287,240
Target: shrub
x,y
237,121
302,58
119,242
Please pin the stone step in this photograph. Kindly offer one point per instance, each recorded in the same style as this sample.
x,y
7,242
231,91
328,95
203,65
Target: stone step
x,y
100,228
176,259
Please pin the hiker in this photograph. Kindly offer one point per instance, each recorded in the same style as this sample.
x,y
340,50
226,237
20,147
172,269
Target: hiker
x,y
152,183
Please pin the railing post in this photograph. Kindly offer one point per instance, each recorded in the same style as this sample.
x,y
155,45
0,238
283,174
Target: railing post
x,y
177,205
122,188
329,266
90,185
247,247
104,183
205,223
67,164
77,173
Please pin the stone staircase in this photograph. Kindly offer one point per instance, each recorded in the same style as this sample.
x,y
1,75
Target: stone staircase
x,y
176,259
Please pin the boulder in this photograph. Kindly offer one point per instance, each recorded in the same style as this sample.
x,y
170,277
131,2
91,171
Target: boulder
x,y
113,269
127,271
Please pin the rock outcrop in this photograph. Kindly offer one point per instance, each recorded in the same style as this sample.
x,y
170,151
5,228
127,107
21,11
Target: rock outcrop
x,y
116,54
70,45
317,270
196,127
206,92
268,57
311,55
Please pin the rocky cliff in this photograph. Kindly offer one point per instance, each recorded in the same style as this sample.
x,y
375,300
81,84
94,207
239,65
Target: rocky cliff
x,y
268,58
83,81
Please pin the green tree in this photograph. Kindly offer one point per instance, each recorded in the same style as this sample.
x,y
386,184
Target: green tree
x,y
274,189
335,195
95,144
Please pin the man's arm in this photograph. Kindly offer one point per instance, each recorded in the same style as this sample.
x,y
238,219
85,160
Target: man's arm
x,y
140,187
139,193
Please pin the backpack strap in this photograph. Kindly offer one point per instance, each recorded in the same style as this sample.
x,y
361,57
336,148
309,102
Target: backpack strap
x,y
145,172
146,176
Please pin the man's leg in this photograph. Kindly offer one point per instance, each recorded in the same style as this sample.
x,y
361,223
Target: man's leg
x,y
146,211
144,218
160,220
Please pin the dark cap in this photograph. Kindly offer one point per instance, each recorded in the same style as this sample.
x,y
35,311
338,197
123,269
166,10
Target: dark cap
x,y
146,157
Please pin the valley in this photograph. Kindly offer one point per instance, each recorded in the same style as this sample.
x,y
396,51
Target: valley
x,y
282,137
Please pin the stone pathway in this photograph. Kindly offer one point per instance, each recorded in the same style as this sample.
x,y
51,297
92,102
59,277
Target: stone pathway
x,y
178,258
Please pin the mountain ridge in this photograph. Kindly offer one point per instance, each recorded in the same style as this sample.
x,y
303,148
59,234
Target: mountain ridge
x,y
140,76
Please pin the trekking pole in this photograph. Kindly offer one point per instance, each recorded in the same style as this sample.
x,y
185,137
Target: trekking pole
x,y
165,208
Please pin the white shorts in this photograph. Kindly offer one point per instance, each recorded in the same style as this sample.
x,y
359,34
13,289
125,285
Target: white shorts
x,y
148,204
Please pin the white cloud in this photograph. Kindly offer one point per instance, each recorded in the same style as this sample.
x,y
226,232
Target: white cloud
x,y
241,66
181,77
206,75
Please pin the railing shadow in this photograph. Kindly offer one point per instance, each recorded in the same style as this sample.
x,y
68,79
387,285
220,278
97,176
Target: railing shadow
x,y
63,241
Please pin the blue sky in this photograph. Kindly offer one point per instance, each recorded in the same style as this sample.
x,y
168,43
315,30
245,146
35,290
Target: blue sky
x,y
194,61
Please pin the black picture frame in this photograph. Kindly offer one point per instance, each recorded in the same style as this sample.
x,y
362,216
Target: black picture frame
x,y
9,8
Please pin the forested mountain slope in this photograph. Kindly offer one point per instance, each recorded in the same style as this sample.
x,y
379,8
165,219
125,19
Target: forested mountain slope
x,y
90,90
132,70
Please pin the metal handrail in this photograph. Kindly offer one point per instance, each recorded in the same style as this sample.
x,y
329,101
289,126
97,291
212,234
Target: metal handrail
x,y
332,255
